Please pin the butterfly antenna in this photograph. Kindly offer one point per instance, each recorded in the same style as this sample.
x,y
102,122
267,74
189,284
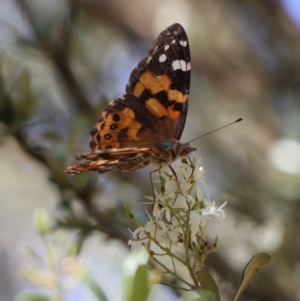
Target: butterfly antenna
x,y
222,127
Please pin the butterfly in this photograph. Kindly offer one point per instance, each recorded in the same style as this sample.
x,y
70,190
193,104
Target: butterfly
x,y
145,125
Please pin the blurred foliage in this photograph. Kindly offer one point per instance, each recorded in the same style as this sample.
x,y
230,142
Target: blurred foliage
x,y
60,269
62,60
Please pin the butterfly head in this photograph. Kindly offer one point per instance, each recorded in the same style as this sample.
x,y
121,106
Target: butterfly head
x,y
185,149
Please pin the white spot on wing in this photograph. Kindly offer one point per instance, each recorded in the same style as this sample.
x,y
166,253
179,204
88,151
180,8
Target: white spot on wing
x,y
149,58
176,65
183,43
173,42
182,65
162,58
167,47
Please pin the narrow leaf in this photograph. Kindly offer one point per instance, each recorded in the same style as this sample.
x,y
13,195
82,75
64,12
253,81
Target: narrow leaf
x,y
135,277
209,289
95,288
32,296
253,266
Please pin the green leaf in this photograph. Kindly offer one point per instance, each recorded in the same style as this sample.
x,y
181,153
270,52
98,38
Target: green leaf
x,y
128,211
6,105
209,290
191,296
216,242
253,266
162,184
41,220
53,136
95,288
26,101
32,296
135,276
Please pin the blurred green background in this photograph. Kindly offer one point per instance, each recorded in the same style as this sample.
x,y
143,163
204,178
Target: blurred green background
x,y
61,61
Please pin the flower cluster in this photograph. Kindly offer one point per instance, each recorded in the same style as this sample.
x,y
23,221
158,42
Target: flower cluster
x,y
179,216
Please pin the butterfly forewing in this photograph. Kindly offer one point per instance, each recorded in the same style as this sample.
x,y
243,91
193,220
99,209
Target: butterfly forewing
x,y
161,82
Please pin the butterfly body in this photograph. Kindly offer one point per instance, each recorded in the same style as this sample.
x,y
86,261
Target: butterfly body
x,y
145,125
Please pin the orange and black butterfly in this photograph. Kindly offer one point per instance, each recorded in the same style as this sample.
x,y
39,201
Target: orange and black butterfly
x,y
145,125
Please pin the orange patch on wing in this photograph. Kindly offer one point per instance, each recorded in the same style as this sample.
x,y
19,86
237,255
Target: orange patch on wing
x,y
164,82
126,121
156,108
154,83
105,130
128,116
177,96
173,114
138,89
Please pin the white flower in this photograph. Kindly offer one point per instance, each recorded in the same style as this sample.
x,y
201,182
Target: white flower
x,y
184,172
170,199
140,238
199,193
199,173
135,244
196,220
155,229
217,212
191,200
175,233
169,186
173,206
185,187
156,210
179,202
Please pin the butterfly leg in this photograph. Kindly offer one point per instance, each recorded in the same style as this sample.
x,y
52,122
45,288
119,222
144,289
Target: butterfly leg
x,y
179,188
175,175
192,165
152,186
